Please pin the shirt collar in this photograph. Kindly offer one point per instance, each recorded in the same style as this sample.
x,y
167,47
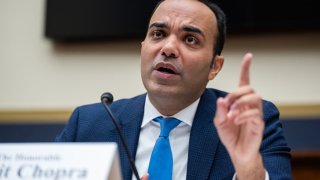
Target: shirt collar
x,y
186,115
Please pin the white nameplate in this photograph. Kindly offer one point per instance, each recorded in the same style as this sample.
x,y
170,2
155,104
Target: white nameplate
x,y
59,161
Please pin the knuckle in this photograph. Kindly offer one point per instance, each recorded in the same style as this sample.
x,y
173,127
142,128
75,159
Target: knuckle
x,y
249,89
259,97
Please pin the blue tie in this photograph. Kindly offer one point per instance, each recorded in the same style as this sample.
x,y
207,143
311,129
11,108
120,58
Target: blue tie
x,y
160,166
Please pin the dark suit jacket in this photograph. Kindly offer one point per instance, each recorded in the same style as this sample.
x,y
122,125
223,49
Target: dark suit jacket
x,y
207,159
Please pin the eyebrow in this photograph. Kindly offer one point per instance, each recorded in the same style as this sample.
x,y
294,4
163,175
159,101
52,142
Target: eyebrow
x,y
193,30
158,25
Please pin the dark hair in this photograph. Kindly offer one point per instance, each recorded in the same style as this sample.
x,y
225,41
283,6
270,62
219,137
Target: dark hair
x,y
221,25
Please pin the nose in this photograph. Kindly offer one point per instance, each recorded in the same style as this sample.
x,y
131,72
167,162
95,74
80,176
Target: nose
x,y
170,47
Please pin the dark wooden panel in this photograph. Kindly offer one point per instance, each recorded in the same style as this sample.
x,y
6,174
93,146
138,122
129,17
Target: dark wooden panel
x,y
29,132
306,165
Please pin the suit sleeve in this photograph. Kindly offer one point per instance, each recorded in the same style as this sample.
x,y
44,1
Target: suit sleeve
x,y
274,148
69,132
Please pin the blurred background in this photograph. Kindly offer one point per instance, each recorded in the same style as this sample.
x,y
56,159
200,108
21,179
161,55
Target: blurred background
x,y
56,55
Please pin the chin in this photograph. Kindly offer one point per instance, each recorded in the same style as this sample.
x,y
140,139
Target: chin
x,y
161,90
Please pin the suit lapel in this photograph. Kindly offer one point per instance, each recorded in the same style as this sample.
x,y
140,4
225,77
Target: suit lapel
x,y
130,121
203,139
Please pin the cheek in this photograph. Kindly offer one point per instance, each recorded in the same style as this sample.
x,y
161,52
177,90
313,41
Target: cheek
x,y
144,57
148,52
197,70
143,67
146,60
197,64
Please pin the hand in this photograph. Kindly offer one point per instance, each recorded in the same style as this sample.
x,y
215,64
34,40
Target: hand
x,y
240,126
145,177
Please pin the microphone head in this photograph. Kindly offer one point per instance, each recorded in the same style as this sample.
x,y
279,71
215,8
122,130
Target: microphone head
x,y
106,98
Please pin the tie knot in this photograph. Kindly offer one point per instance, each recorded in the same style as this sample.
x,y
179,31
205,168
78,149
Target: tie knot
x,y
166,125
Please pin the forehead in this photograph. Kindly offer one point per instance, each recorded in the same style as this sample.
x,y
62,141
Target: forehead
x,y
185,12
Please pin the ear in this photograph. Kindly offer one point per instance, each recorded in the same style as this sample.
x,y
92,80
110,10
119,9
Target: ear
x,y
216,67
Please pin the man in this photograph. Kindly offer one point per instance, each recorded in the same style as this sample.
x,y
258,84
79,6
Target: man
x,y
221,136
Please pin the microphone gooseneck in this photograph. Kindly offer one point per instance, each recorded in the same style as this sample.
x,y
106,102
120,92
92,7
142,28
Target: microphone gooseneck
x,y
106,99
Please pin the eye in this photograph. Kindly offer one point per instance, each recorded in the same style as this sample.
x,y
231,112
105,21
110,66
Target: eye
x,y
191,40
157,34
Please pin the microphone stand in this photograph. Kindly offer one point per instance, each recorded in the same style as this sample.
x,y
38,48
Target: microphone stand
x,y
106,99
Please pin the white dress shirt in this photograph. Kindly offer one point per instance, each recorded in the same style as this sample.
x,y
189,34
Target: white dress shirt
x,y
179,139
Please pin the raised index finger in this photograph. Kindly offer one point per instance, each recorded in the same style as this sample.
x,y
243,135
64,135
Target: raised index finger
x,y
245,70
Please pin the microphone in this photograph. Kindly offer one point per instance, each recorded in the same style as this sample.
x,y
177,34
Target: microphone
x,y
106,99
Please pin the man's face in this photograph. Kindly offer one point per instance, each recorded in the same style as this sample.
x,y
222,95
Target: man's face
x,y
178,50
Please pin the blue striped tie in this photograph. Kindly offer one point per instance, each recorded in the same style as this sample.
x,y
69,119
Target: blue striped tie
x,y
160,166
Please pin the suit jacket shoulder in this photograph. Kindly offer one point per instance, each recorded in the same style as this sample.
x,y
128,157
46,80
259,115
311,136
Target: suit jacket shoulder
x,y
92,123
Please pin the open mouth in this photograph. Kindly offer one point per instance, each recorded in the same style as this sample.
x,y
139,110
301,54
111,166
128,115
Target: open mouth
x,y
166,70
